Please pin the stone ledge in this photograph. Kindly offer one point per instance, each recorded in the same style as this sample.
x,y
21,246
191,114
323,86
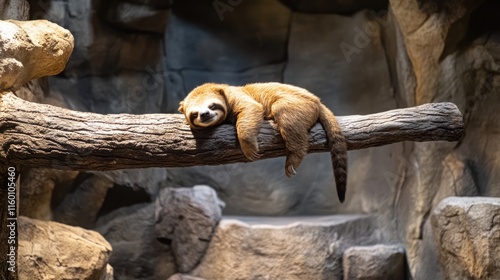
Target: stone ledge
x,y
302,247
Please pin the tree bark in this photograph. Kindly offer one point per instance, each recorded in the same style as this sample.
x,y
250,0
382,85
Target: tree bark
x,y
33,134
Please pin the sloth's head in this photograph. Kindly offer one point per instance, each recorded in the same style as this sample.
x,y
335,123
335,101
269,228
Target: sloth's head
x,y
204,106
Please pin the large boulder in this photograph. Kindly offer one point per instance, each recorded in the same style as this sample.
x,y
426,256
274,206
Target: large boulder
x,y
467,234
32,49
187,217
49,250
283,247
378,262
136,252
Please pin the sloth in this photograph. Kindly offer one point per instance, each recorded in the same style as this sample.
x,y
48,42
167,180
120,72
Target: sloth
x,y
294,110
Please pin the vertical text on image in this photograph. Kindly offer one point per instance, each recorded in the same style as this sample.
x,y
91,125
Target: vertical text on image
x,y
11,219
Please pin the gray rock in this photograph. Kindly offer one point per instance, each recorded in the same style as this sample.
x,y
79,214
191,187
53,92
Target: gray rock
x,y
148,180
79,204
34,91
426,259
179,276
77,198
343,61
49,250
110,70
187,217
36,190
259,188
467,234
137,16
267,73
456,179
127,91
18,10
308,247
336,6
202,37
159,4
378,262
136,252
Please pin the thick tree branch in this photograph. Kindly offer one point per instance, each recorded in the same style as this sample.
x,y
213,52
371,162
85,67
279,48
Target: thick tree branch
x,y
43,135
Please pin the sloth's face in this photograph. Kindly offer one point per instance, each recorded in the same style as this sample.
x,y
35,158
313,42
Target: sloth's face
x,y
204,107
210,112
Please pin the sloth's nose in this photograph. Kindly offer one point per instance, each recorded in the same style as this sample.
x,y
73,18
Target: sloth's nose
x,y
205,114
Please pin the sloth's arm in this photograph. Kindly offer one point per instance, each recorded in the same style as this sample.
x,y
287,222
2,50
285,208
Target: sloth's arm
x,y
248,122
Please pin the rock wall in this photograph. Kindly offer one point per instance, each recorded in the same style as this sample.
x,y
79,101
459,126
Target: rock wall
x,y
360,57
453,52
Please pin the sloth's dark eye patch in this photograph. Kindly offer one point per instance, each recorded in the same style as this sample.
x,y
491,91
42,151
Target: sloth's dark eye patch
x,y
217,106
193,116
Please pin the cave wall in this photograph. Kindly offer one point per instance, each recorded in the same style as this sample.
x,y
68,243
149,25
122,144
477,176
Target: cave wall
x,y
452,48
140,56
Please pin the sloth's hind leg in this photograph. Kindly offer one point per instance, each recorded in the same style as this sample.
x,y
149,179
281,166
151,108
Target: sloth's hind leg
x,y
294,121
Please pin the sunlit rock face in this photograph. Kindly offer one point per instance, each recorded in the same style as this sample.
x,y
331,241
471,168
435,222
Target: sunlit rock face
x,y
53,250
467,233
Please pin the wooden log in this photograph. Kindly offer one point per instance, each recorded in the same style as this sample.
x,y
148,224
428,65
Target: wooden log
x,y
34,134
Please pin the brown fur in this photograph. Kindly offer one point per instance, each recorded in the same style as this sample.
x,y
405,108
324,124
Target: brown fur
x,y
293,109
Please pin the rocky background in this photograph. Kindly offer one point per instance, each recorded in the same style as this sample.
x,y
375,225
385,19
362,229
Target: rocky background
x,y
360,57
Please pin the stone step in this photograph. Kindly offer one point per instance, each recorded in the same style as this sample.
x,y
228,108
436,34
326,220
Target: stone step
x,y
302,247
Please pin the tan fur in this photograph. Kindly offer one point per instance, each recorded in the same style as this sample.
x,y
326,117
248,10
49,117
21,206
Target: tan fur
x,y
293,109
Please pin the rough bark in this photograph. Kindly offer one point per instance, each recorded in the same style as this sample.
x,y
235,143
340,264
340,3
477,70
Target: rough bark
x,y
34,134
